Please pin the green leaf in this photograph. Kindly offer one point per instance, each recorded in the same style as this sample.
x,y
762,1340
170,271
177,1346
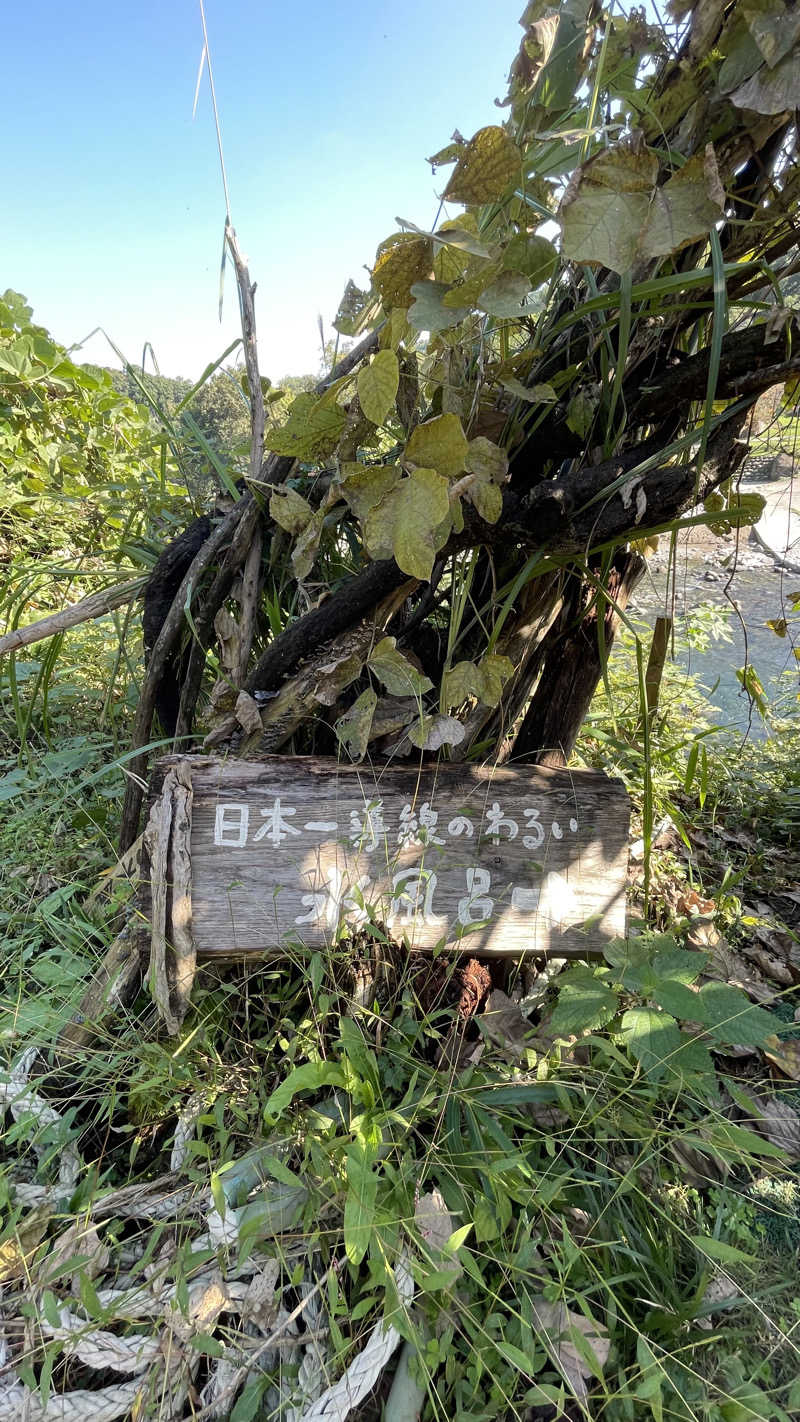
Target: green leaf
x,y
771,90
353,728
534,394
359,1208
207,1345
458,1237
398,674
429,312
515,1356
585,1002
249,1401
309,1077
487,166
50,1309
439,444
678,964
580,412
677,999
718,1249
730,1017
353,308
534,256
652,1038
505,297
377,386
405,524
290,510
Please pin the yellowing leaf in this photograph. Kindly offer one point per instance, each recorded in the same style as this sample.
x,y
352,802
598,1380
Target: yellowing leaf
x,y
439,444
484,682
15,1252
312,430
353,728
398,674
685,208
400,261
605,207
486,458
446,155
377,386
487,499
460,682
289,510
405,523
363,488
613,212
307,546
335,676
487,166
778,625
784,1055
495,671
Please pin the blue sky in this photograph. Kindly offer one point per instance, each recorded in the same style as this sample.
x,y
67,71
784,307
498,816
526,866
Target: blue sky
x,y
114,210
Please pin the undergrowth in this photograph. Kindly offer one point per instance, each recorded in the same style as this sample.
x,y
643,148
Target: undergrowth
x,y
574,1179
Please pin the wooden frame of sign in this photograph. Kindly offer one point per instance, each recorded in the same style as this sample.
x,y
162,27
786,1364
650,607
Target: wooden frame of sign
x,y
289,852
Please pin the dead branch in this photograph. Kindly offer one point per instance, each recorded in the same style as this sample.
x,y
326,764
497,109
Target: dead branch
x,y
89,608
247,312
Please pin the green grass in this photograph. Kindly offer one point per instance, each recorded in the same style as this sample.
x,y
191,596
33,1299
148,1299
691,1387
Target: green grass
x,y
578,1180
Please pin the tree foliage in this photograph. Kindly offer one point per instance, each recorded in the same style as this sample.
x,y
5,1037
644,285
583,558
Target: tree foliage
x,y
82,471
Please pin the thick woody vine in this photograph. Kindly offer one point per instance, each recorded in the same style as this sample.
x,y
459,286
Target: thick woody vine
x,y
459,512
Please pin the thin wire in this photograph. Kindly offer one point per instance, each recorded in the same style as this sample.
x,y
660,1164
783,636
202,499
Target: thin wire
x,y
216,114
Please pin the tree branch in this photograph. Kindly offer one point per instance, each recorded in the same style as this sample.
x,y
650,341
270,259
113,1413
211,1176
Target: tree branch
x,y
162,650
96,605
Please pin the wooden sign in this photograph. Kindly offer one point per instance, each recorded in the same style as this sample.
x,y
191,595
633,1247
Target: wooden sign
x,y
295,851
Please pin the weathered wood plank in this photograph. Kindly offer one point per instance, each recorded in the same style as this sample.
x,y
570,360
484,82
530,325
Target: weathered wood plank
x,y
289,851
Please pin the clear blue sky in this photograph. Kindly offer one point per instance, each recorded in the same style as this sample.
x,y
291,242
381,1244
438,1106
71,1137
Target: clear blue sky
x,y
113,202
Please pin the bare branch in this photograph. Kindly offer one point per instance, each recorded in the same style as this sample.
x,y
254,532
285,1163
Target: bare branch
x,y
96,605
